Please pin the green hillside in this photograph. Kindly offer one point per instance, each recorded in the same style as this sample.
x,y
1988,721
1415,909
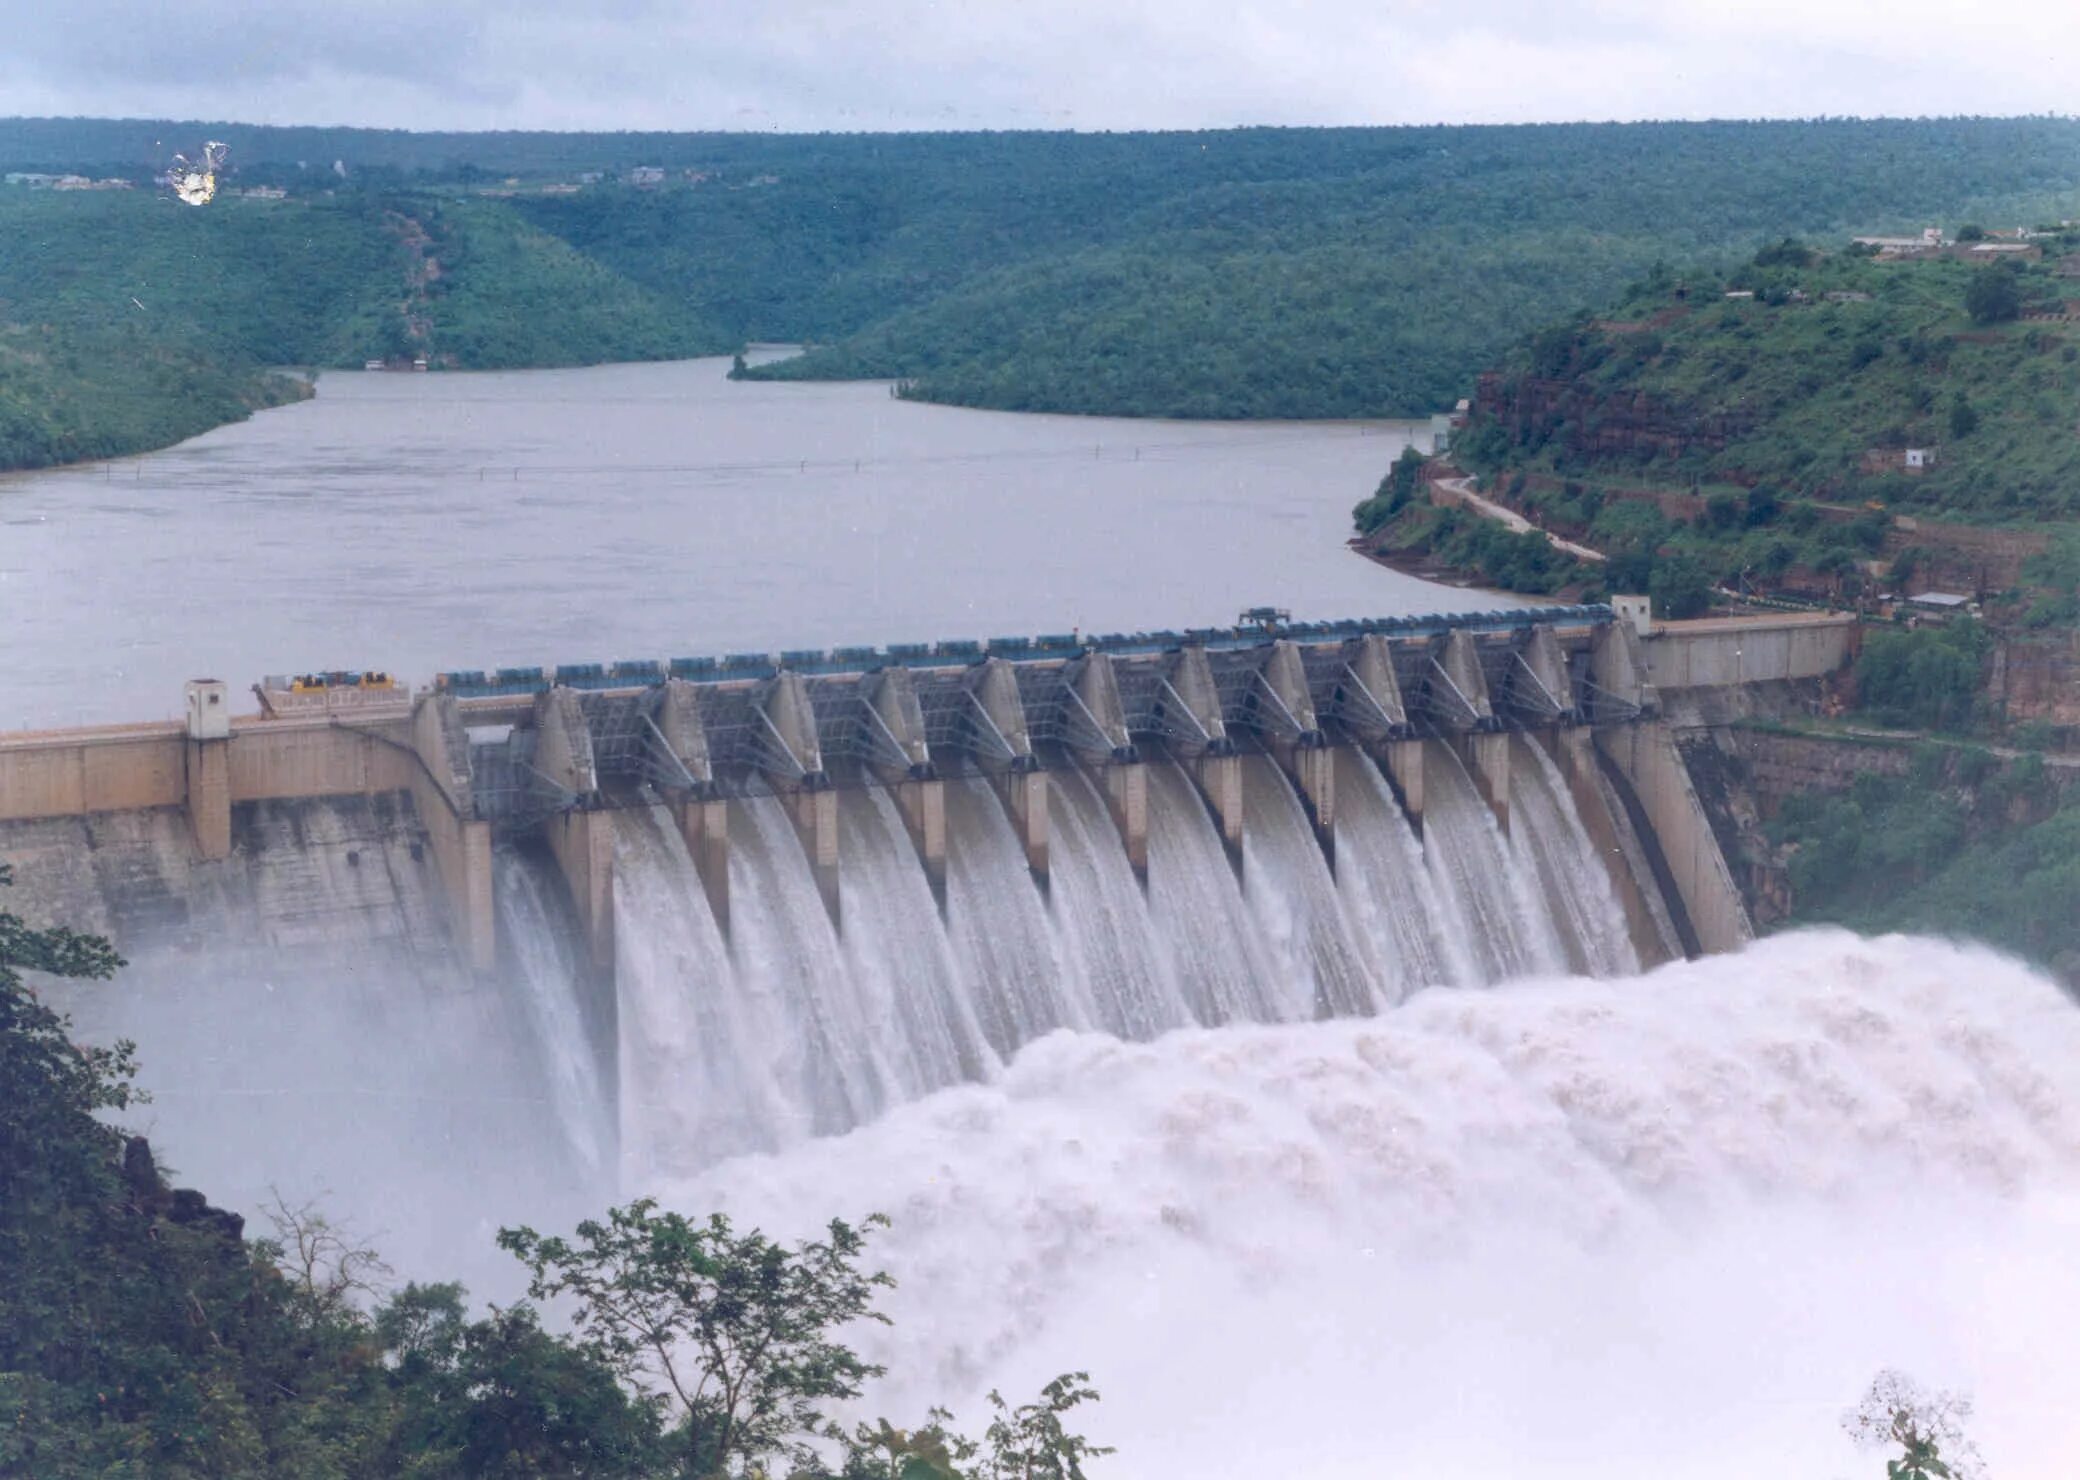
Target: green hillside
x,y
1241,273
1816,384
1812,423
129,321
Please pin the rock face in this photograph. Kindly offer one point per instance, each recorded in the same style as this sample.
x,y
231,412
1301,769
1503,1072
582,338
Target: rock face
x,y
150,1196
1961,557
1596,424
2037,678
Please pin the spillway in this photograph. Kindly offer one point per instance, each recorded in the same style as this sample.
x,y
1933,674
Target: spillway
x,y
1323,969
705,1062
1420,937
1511,925
1005,947
1108,939
1226,967
544,966
796,1027
653,1037
1573,880
900,964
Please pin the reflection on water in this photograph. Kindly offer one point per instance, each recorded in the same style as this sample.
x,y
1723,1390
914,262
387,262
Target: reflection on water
x,y
421,522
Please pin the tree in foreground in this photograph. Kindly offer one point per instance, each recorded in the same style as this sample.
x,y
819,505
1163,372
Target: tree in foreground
x,y
737,1336
1029,1442
1927,1428
732,1331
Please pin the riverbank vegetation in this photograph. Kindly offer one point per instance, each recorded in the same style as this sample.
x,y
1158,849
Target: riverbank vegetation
x,y
142,1334
1239,273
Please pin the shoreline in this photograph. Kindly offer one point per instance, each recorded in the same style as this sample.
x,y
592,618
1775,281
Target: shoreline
x,y
1428,568
304,378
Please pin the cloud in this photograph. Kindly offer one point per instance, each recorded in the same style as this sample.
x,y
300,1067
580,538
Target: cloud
x,y
876,64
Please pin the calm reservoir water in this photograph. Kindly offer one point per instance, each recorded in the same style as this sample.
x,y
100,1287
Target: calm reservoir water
x,y
423,522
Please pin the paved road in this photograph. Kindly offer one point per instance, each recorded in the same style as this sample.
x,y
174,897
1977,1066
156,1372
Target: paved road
x,y
1463,488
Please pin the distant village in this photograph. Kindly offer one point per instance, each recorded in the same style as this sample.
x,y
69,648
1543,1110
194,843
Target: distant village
x,y
2020,245
637,177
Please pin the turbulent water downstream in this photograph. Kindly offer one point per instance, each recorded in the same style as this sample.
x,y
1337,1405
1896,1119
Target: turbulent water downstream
x,y
1668,1225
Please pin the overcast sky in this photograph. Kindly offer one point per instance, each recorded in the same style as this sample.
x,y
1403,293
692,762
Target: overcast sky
x,y
1088,64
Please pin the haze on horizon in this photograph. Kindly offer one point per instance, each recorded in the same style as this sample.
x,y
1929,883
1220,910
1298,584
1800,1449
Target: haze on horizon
x,y
808,65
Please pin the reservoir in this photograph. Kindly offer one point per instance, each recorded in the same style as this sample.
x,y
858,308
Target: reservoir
x,y
424,522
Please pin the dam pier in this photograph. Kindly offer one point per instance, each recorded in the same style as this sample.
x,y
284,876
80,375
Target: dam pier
x,y
109,818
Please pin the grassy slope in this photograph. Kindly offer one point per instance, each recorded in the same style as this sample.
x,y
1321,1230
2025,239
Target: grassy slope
x,y
1825,382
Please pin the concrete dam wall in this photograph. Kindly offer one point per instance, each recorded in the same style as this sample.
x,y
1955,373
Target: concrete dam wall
x,y
703,907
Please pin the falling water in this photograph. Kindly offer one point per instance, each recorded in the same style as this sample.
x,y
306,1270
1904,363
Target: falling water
x,y
1004,948
1102,918
788,956
796,1028
1512,928
903,977
1420,938
702,1062
1573,878
1225,966
541,957
1322,969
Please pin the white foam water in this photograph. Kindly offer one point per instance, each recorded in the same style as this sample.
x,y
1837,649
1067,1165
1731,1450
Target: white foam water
x,y
1667,1225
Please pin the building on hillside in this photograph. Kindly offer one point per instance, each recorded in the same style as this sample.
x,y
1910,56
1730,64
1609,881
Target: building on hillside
x,y
34,179
1929,242
644,176
1943,604
1899,459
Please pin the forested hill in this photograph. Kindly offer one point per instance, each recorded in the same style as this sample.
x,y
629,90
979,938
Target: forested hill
x,y
1813,372
1245,273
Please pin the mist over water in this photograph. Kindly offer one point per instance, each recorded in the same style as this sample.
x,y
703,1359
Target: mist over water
x,y
1666,1225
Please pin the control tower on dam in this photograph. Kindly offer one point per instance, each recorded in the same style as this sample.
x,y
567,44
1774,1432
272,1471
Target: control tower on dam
x,y
352,803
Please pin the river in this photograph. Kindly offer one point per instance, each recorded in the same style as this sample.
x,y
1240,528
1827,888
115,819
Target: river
x,y
424,522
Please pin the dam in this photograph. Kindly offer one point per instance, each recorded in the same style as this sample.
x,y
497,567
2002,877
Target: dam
x,y
710,905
